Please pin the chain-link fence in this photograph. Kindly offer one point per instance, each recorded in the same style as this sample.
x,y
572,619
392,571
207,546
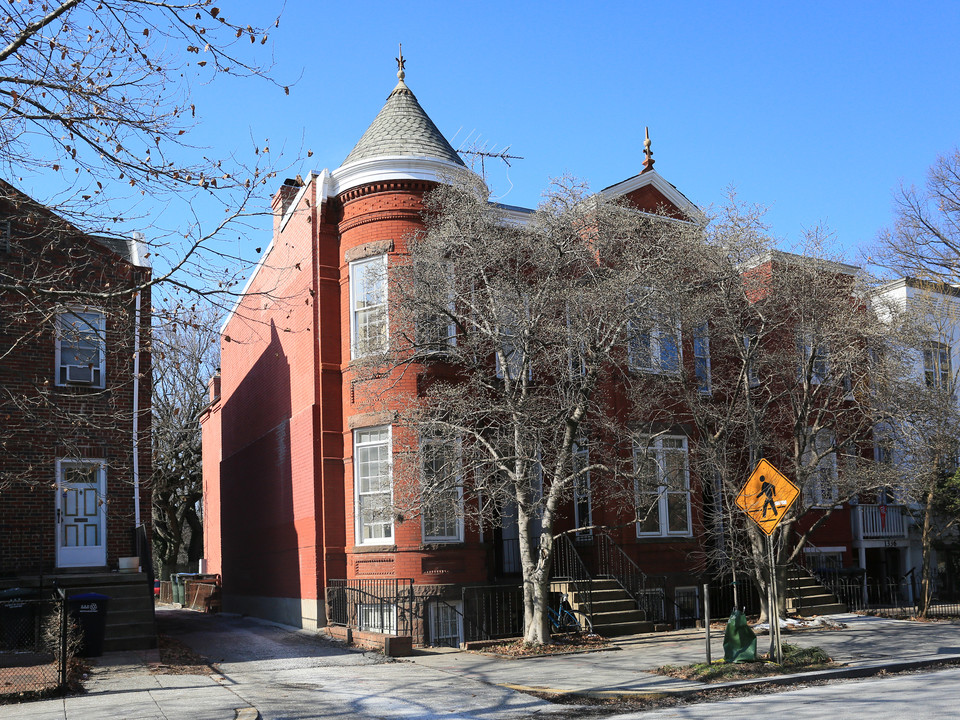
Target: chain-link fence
x,y
34,651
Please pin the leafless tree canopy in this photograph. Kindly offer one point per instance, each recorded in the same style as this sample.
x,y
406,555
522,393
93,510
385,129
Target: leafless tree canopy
x,y
924,241
185,355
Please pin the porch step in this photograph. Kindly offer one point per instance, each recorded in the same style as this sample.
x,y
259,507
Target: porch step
x,y
614,611
807,597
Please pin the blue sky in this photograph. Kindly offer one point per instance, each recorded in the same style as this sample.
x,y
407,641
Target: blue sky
x,y
817,109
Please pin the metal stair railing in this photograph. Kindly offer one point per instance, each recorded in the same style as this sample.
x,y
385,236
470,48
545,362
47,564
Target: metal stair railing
x,y
614,563
569,566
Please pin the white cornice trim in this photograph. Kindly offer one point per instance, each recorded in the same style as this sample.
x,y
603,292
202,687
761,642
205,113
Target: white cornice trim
x,y
391,167
667,189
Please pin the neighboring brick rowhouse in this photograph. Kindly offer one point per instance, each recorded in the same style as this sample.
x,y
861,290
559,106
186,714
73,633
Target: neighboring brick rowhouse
x,y
44,420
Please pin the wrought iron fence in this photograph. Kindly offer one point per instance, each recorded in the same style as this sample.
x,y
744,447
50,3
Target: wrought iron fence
x,y
34,652
376,605
495,611
725,596
900,597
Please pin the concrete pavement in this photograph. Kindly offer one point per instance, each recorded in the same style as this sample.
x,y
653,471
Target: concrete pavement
x,y
278,672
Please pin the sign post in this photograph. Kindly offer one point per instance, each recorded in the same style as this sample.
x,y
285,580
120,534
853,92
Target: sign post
x,y
765,498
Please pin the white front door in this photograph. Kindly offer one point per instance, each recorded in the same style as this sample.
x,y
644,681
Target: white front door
x,y
81,513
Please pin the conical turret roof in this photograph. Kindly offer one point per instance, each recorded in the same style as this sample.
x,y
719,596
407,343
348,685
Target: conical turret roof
x,y
402,128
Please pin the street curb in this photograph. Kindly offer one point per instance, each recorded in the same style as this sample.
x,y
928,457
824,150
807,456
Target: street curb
x,y
861,671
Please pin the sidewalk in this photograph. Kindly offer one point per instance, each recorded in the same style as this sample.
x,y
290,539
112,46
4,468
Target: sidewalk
x,y
273,671
866,646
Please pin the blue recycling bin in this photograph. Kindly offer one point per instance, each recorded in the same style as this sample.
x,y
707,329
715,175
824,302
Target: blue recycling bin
x,y
89,611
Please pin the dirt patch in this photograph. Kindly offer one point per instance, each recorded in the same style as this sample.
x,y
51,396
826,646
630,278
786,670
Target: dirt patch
x,y
178,658
795,659
564,644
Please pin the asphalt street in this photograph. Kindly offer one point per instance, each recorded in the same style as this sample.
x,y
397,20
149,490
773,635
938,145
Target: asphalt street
x,y
914,695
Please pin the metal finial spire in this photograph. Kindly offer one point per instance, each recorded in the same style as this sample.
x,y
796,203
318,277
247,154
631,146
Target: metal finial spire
x,y
400,64
647,152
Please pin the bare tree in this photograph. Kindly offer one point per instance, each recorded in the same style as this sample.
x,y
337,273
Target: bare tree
x,y
520,335
921,433
185,355
781,370
924,241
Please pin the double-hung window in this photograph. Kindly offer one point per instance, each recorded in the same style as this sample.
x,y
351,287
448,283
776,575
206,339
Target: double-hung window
x,y
815,355
821,487
374,486
582,502
443,492
80,348
653,347
751,343
436,330
701,358
936,365
662,486
368,306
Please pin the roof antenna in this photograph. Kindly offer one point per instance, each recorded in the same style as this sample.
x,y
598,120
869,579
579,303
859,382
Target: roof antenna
x,y
648,153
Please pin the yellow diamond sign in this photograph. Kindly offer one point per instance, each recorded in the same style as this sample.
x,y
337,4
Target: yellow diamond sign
x,y
767,496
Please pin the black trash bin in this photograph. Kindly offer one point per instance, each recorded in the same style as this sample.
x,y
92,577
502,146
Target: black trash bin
x,y
89,610
18,618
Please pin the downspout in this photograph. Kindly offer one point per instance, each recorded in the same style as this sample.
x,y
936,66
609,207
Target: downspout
x,y
137,239
136,414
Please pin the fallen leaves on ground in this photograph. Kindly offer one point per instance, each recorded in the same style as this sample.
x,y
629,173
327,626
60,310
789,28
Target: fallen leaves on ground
x,y
795,659
558,645
177,658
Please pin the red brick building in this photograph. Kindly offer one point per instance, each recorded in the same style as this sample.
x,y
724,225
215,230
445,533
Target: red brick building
x,y
74,403
286,443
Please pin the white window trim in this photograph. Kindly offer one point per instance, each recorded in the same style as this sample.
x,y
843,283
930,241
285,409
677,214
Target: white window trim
x,y
750,344
701,341
813,489
663,492
821,365
386,622
581,455
59,360
457,606
441,343
357,502
935,375
458,537
355,352
657,332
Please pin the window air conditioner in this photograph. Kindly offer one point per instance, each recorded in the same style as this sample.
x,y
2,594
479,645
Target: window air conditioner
x,y
82,374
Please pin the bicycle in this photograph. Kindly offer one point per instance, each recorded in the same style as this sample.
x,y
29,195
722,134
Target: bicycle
x,y
562,619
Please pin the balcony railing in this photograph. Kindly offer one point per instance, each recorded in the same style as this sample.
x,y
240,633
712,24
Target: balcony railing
x,y
871,522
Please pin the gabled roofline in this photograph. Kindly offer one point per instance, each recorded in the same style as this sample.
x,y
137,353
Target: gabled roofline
x,y
321,178
669,191
787,258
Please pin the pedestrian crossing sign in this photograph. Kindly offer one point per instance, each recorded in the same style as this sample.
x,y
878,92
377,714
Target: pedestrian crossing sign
x,y
767,496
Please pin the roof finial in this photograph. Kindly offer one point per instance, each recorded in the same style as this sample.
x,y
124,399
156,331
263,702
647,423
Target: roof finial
x,y
648,153
400,64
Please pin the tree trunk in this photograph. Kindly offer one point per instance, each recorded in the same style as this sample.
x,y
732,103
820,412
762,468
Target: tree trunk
x,y
926,542
535,559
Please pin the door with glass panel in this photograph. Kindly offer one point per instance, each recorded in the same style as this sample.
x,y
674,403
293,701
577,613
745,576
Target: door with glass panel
x,y
81,514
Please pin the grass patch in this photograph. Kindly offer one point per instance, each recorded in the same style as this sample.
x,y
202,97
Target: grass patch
x,y
795,659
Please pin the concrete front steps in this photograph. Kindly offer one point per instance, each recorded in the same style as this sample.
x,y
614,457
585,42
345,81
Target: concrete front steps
x,y
614,611
807,597
130,622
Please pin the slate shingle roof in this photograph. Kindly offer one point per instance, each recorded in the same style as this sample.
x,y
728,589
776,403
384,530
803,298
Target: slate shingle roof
x,y
403,128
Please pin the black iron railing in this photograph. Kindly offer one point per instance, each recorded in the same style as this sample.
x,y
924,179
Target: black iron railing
x,y
568,566
375,605
495,611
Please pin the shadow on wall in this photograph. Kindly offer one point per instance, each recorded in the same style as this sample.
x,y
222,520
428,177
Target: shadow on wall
x,y
259,538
